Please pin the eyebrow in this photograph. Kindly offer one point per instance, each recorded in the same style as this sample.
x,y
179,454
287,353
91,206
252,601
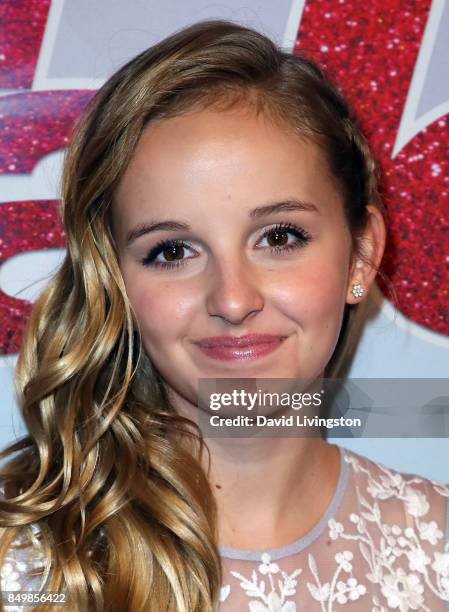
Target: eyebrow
x,y
292,204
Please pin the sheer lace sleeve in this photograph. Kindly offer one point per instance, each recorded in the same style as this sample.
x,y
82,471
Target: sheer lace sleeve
x,y
16,573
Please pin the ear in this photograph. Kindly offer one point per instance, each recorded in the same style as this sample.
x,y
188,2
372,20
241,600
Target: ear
x,y
366,259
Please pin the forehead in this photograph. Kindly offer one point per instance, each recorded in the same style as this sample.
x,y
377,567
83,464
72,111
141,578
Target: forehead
x,y
201,160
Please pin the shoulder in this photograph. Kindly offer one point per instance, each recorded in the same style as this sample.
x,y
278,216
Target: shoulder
x,y
396,525
23,564
405,500
384,482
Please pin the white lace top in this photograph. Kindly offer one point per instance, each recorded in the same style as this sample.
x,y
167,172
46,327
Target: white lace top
x,y
382,544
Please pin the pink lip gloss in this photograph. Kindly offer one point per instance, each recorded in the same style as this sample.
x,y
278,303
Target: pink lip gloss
x,y
240,348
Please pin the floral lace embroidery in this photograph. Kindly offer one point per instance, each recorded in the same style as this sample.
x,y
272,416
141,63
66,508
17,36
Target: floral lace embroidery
x,y
338,590
10,575
14,572
271,601
402,590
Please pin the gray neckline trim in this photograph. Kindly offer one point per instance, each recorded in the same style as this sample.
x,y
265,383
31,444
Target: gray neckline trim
x,y
245,554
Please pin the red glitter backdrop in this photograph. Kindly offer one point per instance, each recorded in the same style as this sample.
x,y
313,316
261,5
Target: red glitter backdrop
x,y
369,50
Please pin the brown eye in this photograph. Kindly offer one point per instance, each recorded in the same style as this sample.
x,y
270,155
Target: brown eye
x,y
168,254
277,238
173,252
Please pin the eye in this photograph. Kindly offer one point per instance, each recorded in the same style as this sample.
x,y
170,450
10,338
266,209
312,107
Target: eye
x,y
172,252
278,240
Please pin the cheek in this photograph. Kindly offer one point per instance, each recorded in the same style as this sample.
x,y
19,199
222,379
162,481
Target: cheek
x,y
312,294
162,309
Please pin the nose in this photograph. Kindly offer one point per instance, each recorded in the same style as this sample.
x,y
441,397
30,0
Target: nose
x,y
235,292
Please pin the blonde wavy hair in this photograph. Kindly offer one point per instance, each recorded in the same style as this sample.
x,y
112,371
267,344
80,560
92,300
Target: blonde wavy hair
x,y
109,473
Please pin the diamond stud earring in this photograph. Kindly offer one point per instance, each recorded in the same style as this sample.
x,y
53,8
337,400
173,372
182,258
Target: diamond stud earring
x,y
357,290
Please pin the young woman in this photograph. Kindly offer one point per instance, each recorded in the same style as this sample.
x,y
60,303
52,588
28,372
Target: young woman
x,y
222,220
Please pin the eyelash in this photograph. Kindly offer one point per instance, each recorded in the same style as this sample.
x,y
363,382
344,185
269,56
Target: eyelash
x,y
302,238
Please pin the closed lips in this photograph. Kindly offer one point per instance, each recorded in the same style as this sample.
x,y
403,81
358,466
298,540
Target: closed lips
x,y
239,341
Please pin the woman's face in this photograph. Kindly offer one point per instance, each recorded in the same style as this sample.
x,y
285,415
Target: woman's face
x,y
262,248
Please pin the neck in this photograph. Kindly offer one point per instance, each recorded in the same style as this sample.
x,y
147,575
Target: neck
x,y
269,491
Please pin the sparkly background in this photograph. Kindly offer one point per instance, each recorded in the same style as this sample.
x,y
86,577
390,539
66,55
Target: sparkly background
x,y
369,50
22,25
